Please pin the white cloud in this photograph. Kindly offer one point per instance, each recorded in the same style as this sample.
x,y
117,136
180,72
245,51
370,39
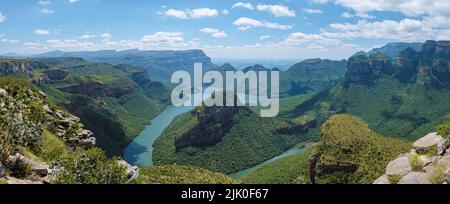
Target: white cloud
x,y
265,37
44,3
166,38
106,35
365,15
87,36
243,5
73,1
41,32
225,12
5,40
245,23
177,14
277,10
407,7
194,14
214,32
203,12
403,30
2,17
312,11
46,11
347,15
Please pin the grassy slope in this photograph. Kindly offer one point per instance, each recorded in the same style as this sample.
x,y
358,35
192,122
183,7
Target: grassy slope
x,y
172,174
289,170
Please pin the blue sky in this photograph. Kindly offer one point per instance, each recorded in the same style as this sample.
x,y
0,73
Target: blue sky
x,y
284,29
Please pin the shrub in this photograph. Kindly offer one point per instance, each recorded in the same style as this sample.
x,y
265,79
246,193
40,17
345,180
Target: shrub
x,y
444,129
89,167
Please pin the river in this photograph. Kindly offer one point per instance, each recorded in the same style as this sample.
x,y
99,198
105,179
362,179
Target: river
x,y
139,151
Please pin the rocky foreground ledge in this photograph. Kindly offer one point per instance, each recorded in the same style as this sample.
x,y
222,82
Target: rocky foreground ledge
x,y
427,163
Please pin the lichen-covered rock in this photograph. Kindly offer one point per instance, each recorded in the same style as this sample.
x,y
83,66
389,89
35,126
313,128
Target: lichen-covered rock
x,y
444,162
415,178
425,143
131,171
12,180
399,167
382,180
447,175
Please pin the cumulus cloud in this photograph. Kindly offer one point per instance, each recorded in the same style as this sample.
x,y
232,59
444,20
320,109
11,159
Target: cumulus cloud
x,y
44,3
225,12
106,35
2,17
46,11
347,15
243,5
265,37
6,40
277,10
177,14
216,33
41,32
192,14
312,11
403,30
245,23
407,7
73,1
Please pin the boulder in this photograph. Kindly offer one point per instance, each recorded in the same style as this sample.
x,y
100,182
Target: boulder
x,y
399,167
382,180
12,180
415,178
424,160
444,162
423,144
3,92
447,175
443,146
2,169
132,171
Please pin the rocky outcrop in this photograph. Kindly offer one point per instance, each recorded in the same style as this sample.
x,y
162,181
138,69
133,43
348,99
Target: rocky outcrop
x,y
131,171
99,88
359,70
88,89
427,163
399,167
425,144
213,123
56,74
299,128
20,66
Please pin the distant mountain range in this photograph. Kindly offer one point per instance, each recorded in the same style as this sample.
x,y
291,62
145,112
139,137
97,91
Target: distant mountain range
x,y
392,49
159,64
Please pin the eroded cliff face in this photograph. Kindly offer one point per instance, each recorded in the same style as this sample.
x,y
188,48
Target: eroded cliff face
x,y
431,66
19,66
213,123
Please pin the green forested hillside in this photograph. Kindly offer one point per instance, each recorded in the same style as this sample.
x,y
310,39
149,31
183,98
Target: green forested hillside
x,y
249,141
406,98
289,170
312,74
114,101
349,152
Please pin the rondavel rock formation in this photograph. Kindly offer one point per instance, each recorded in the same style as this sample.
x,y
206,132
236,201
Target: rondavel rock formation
x,y
427,163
